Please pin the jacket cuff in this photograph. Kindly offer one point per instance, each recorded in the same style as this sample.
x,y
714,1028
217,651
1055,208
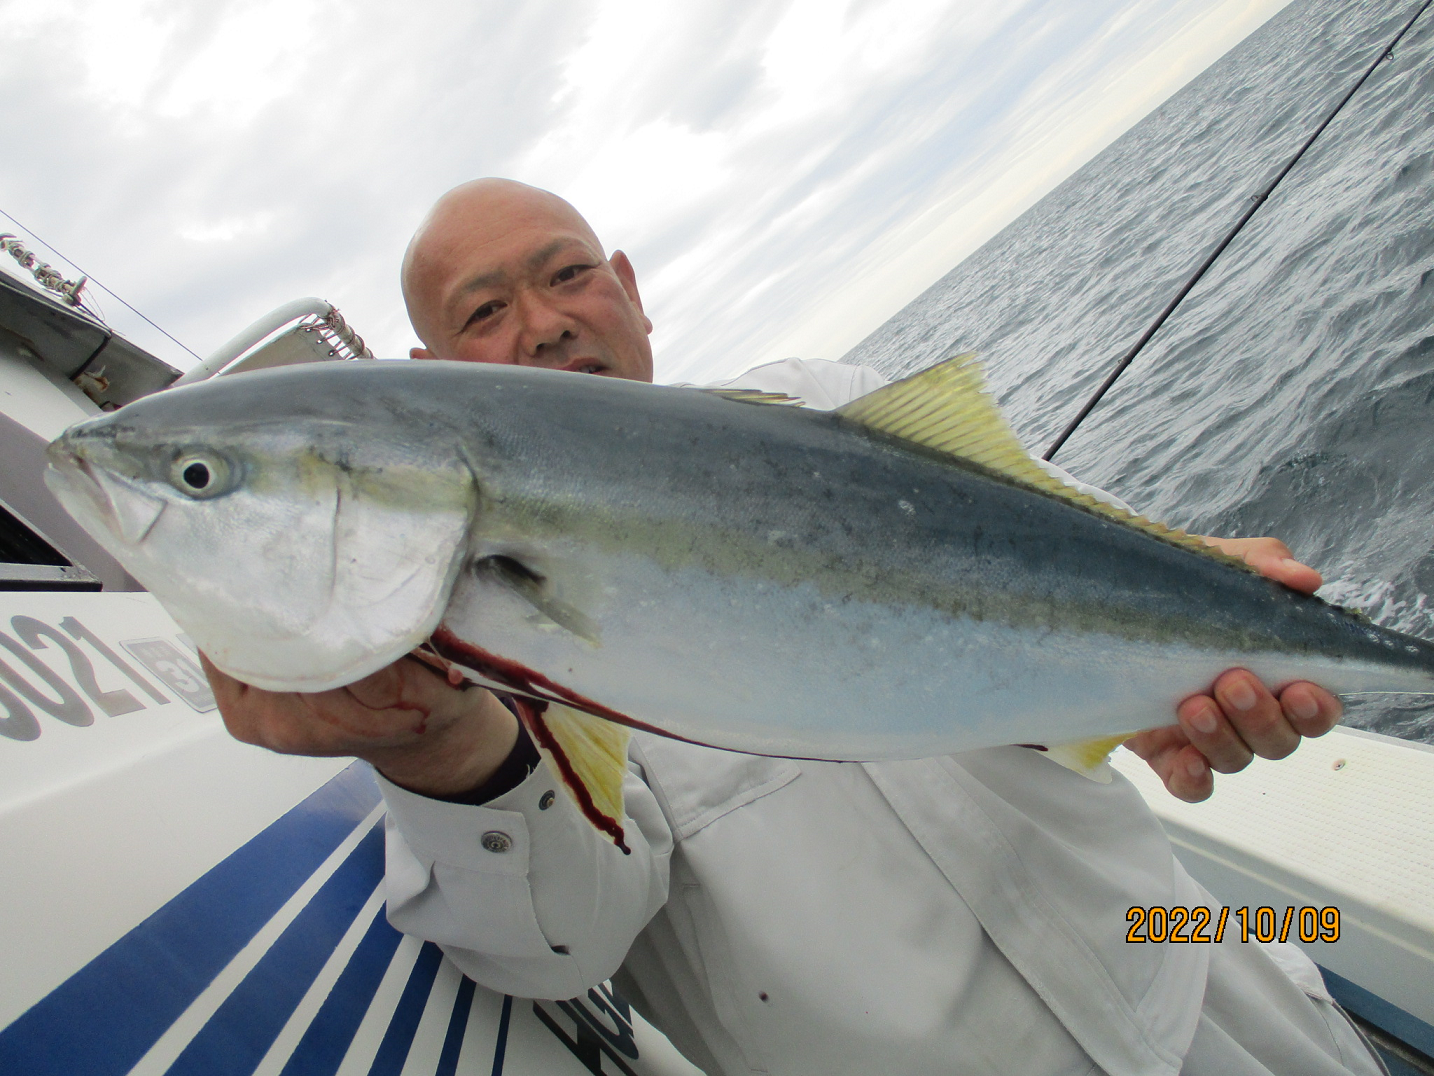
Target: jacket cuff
x,y
495,837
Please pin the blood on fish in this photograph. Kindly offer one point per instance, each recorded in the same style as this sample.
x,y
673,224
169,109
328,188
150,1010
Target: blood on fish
x,y
533,686
531,711
532,683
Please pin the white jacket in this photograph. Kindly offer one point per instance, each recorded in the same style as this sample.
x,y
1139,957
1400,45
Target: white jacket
x,y
964,914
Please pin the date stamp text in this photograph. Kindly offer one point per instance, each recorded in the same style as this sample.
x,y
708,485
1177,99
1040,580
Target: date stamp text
x,y
1266,924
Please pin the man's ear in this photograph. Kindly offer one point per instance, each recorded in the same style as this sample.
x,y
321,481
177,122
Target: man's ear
x,y
419,353
625,275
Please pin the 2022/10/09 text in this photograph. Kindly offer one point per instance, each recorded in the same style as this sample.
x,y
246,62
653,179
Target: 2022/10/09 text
x,y
1264,924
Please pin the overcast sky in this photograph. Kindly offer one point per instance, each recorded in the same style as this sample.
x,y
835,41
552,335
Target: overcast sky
x,y
785,175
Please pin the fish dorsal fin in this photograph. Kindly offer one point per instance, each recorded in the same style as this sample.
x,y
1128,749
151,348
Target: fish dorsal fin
x,y
947,408
756,396
589,754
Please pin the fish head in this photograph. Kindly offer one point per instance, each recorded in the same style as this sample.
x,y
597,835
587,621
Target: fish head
x,y
300,551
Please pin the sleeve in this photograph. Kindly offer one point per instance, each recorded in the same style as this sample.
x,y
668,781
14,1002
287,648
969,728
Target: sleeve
x,y
1085,487
818,383
522,893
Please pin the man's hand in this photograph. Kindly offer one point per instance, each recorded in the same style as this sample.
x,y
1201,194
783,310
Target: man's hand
x,y
1239,717
418,730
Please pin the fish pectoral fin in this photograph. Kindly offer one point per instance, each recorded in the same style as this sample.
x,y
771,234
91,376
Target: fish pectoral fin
x,y
589,754
947,408
1089,758
533,588
755,396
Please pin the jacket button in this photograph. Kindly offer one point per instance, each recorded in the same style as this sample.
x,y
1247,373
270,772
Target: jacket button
x,y
493,841
546,801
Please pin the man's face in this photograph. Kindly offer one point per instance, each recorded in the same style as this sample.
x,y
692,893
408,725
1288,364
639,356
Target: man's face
x,y
520,279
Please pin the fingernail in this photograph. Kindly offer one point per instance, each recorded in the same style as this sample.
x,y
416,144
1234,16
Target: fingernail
x,y
1304,707
1241,695
1204,720
1194,767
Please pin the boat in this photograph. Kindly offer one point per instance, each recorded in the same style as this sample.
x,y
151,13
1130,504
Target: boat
x,y
178,902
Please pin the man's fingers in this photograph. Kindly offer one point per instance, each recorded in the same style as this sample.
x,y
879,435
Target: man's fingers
x,y
1187,775
419,729
1181,767
381,690
1271,557
235,699
1288,571
1310,709
1212,734
337,722
1240,719
413,688
1255,715
1224,730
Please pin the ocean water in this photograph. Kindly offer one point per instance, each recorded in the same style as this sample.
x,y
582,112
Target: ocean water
x,y
1292,393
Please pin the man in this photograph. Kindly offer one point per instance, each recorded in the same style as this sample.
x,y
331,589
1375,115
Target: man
x,y
958,914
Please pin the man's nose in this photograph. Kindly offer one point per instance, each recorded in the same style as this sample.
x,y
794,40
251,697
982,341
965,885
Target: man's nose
x,y
546,330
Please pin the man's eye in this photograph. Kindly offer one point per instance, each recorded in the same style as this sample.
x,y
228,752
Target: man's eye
x,y
484,312
569,272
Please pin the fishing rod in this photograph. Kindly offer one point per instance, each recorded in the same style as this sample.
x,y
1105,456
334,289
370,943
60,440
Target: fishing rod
x,y
1256,201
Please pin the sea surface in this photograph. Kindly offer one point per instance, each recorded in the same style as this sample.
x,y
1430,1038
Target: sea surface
x,y
1292,393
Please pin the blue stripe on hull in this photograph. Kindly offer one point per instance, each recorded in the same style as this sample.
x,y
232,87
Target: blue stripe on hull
x,y
393,1051
500,1047
327,1039
237,1036
1402,1025
457,1026
104,1018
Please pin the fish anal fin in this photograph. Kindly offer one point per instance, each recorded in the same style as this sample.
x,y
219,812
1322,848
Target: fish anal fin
x,y
1089,758
947,408
589,753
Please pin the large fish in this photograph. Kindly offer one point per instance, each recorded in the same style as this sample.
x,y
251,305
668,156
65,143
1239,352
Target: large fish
x,y
895,579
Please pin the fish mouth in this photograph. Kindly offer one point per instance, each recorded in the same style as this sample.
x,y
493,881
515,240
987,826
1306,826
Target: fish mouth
x,y
96,495
72,480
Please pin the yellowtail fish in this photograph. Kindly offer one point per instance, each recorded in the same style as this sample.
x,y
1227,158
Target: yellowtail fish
x,y
895,579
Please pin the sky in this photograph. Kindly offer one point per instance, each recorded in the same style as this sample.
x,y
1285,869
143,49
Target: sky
x,y
784,174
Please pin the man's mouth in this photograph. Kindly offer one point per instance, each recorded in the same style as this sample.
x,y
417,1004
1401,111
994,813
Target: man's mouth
x,y
584,366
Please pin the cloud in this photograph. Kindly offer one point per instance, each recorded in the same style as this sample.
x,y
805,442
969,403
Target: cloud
x,y
784,175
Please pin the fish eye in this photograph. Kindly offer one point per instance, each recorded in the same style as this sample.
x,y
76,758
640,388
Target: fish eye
x,y
199,474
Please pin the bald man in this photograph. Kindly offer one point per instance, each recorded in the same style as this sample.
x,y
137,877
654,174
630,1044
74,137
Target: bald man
x,y
502,272
779,916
